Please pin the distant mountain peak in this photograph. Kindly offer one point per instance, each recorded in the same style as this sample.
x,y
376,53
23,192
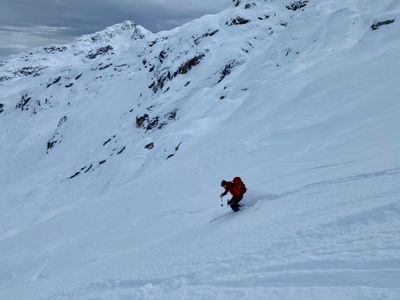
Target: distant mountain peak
x,y
127,27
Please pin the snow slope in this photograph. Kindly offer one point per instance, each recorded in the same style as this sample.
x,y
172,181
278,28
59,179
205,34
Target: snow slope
x,y
113,148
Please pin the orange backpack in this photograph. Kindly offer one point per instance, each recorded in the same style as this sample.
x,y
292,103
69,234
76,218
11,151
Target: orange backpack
x,y
239,184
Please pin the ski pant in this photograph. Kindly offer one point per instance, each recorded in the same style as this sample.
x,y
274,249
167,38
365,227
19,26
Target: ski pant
x,y
234,203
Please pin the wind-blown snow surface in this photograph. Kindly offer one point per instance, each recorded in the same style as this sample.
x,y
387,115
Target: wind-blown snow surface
x,y
302,103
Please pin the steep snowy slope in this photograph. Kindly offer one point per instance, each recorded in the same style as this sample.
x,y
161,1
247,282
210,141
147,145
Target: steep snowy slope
x,y
113,148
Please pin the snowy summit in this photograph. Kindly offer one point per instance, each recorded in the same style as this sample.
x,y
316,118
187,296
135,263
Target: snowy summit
x,y
113,149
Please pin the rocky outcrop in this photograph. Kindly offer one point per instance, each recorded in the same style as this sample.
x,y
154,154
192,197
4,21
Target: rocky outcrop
x,y
376,25
295,5
99,51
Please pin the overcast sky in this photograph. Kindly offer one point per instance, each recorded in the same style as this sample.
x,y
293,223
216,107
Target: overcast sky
x,y
25,24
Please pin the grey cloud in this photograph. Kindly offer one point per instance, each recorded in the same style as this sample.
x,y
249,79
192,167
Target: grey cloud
x,y
32,36
23,23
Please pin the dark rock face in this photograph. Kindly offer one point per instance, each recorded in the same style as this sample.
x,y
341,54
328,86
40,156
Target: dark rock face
x,y
152,123
237,21
56,138
187,66
56,80
121,150
141,119
5,78
171,115
23,102
103,67
176,150
376,25
51,144
75,175
54,49
25,71
295,5
1,107
158,122
100,51
177,146
106,142
237,2
149,146
160,81
88,168
162,56
152,43
228,69
26,103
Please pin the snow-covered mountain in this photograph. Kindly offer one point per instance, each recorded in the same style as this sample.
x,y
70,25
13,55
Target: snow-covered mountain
x,y
113,148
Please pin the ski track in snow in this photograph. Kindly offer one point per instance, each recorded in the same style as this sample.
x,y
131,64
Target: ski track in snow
x,y
328,256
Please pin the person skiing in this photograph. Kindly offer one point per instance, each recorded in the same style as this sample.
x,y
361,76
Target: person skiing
x,y
237,189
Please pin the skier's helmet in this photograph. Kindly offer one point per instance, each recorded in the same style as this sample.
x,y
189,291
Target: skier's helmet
x,y
224,183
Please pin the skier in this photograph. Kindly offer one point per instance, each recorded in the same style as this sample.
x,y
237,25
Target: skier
x,y
237,188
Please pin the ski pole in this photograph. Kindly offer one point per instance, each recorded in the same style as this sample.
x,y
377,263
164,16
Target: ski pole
x,y
221,202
